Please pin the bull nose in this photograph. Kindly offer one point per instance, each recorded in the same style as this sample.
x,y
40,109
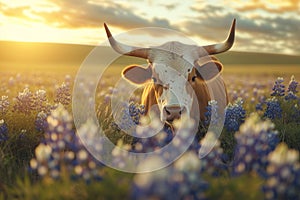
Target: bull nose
x,y
173,112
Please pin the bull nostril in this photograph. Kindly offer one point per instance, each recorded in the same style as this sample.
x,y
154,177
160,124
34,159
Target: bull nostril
x,y
183,110
174,112
168,112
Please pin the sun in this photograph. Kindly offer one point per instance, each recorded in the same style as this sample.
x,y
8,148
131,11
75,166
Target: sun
x,y
20,21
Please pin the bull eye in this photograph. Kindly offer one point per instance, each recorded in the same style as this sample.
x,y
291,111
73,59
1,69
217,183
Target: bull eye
x,y
166,86
154,79
194,78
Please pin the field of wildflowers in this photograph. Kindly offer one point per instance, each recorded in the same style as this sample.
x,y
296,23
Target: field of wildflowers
x,y
42,157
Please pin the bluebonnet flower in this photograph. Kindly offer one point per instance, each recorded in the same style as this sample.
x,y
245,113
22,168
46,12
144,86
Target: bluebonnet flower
x,y
4,104
59,128
259,106
185,126
292,90
211,155
63,94
162,137
48,108
234,95
127,117
62,153
3,131
261,98
255,140
283,174
293,85
135,111
152,137
234,115
273,109
41,121
278,87
181,180
290,96
40,100
24,102
89,167
58,133
211,115
162,134
261,102
124,120
42,156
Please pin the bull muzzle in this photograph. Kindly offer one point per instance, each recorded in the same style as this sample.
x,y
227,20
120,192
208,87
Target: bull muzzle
x,y
173,112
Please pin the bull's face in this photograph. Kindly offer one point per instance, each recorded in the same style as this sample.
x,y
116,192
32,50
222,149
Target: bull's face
x,y
173,81
175,72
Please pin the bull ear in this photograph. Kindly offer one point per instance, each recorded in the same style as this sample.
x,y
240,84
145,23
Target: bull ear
x,y
209,70
137,74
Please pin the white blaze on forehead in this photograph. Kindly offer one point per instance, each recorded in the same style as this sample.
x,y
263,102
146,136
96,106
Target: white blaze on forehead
x,y
175,89
176,55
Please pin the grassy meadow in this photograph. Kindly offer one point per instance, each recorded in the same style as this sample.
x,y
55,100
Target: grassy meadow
x,y
41,157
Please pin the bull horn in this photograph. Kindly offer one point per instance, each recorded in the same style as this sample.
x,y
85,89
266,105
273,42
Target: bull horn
x,y
221,47
125,49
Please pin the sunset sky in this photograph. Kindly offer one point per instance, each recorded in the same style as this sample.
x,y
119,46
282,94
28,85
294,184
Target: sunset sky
x,y
262,26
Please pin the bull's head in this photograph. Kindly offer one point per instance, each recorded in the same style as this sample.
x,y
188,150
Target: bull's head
x,y
172,67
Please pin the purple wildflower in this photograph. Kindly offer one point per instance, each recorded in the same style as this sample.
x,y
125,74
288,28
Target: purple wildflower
x,y
135,111
181,180
255,140
40,100
211,115
273,110
62,151
4,104
259,106
283,174
41,121
293,85
63,94
24,102
278,87
211,163
235,115
290,96
3,131
292,90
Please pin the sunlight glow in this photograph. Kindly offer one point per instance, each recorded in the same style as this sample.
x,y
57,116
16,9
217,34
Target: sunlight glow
x,y
81,22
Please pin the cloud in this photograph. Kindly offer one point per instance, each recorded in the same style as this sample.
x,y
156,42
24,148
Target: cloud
x,y
271,26
269,6
169,6
264,33
18,12
86,14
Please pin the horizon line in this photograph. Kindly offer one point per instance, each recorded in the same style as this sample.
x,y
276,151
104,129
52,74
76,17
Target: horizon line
x,y
93,45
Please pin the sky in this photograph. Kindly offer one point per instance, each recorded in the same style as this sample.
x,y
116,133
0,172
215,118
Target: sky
x,y
271,26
